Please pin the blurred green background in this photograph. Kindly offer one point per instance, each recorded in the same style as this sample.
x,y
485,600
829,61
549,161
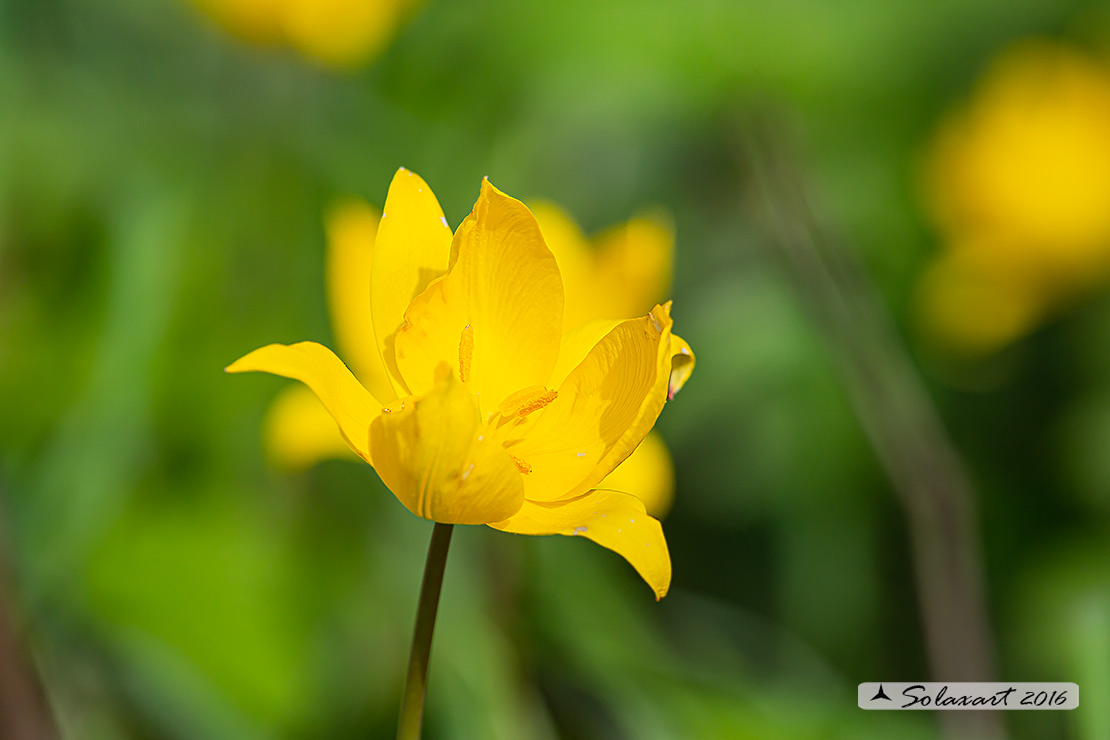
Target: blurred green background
x,y
162,189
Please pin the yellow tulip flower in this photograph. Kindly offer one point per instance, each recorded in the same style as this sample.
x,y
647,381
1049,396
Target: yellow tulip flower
x,y
339,33
1020,187
484,411
622,274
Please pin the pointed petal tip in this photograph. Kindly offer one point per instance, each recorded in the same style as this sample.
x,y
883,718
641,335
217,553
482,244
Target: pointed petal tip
x,y
408,177
489,189
349,403
616,521
661,317
663,309
241,365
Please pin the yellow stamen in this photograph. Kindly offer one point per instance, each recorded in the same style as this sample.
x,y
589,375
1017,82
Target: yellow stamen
x,y
522,465
526,400
466,353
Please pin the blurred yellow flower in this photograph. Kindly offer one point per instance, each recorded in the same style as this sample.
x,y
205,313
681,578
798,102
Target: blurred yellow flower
x,y
339,33
477,408
623,274
1019,183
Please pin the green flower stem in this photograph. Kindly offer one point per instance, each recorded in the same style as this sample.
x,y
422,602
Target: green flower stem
x,y
412,703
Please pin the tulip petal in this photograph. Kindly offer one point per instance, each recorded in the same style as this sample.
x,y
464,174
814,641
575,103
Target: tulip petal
x,y
682,365
299,432
603,410
652,404
576,264
647,474
352,227
616,521
497,314
432,454
411,250
633,265
348,402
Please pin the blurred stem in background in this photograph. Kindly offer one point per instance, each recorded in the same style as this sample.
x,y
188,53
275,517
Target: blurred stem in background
x,y
24,711
898,417
412,703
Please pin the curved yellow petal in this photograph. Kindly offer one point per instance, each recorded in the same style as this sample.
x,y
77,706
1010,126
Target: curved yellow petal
x,y
613,520
653,401
682,365
432,454
602,411
352,227
647,474
496,315
298,431
351,405
633,266
411,250
577,343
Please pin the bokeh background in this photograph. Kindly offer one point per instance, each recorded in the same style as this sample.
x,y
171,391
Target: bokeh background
x,y
165,169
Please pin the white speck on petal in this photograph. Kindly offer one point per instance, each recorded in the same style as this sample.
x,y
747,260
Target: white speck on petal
x,y
581,530
683,351
466,472
619,530
444,220
655,322
481,437
604,515
581,454
631,521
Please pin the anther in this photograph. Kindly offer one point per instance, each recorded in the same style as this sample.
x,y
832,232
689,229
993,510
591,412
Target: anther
x,y
522,465
466,353
526,401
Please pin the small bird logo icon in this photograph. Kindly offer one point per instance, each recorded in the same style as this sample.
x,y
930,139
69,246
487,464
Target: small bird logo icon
x,y
881,695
